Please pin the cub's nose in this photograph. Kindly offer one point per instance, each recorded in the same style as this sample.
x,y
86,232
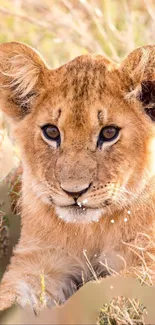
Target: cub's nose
x,y
75,190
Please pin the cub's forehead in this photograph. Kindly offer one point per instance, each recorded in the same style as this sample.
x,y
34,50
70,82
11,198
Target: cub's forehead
x,y
83,77
84,88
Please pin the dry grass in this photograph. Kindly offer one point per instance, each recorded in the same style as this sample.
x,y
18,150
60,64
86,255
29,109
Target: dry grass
x,y
61,30
122,311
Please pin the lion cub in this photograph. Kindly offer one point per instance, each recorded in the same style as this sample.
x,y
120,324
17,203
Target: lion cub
x,y
86,134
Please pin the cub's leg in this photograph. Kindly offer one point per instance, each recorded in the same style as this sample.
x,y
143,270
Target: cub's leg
x,y
42,277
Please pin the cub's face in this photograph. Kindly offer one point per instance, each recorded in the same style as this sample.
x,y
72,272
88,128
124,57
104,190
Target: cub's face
x,y
87,147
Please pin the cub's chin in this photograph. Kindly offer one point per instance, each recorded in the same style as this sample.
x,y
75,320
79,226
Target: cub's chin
x,y
75,214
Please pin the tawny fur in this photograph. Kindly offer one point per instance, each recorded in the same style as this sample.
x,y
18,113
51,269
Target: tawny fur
x,y
113,229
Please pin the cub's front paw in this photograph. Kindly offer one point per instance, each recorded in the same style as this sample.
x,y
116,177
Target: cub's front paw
x,y
7,297
24,295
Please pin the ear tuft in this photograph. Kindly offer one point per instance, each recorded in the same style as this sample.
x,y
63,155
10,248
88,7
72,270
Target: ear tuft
x,y
133,70
147,94
147,98
21,76
138,74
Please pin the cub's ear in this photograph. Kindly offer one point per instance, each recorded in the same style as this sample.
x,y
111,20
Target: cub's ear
x,y
22,79
138,76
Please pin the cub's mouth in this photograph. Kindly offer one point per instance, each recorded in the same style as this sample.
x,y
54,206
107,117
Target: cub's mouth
x,y
76,213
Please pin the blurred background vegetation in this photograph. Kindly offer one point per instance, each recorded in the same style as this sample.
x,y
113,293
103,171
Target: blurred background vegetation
x,y
61,30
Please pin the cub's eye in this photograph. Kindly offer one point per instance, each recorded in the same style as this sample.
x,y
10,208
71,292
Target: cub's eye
x,y
108,133
51,132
